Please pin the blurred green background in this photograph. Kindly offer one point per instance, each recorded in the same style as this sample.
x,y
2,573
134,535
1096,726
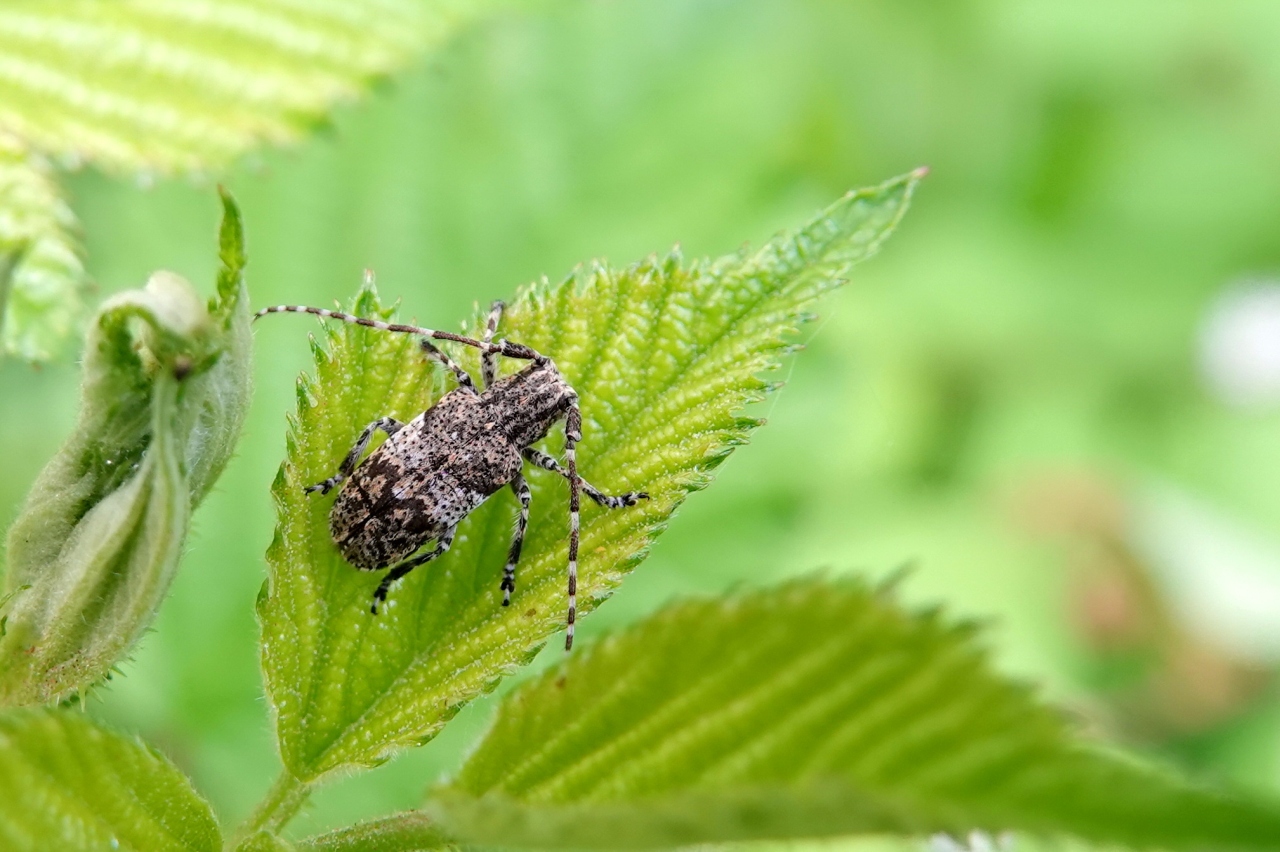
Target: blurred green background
x,y
1054,398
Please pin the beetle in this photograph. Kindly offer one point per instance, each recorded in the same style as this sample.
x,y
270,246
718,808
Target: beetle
x,y
436,469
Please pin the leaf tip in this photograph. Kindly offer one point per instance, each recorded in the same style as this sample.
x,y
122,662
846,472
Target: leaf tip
x,y
366,301
231,254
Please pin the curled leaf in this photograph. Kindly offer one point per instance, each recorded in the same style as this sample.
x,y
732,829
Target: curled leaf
x,y
664,355
93,552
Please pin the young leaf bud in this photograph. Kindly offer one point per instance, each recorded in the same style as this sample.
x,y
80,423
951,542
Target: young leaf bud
x,y
96,546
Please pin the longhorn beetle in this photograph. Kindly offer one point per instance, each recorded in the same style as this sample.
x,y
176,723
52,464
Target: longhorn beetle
x,y
433,471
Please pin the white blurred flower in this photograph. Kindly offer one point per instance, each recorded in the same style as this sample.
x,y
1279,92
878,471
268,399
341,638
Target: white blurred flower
x,y
1222,576
1240,344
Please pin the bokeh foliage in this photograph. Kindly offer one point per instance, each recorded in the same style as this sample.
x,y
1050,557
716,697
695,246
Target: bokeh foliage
x,y
1099,174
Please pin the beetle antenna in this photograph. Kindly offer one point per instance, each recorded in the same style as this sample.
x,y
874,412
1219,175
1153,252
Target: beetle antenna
x,y
502,347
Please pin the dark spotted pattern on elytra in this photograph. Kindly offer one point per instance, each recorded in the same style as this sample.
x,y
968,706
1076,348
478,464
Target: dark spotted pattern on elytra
x,y
434,471
439,467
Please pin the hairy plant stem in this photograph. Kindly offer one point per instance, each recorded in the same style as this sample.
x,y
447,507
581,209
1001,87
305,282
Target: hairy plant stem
x,y
281,804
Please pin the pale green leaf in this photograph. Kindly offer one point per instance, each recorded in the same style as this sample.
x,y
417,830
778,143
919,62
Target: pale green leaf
x,y
166,388
404,832
819,708
159,86
42,293
664,355
68,784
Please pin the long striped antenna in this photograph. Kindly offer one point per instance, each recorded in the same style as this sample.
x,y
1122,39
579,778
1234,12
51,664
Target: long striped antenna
x,y
501,347
338,315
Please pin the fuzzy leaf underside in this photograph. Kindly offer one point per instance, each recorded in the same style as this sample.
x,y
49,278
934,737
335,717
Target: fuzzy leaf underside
x,y
43,285
664,356
90,557
816,709
158,87
70,785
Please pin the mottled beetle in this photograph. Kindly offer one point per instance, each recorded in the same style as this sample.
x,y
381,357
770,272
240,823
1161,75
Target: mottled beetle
x,y
434,470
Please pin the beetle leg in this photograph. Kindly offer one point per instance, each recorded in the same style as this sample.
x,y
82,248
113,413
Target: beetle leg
x,y
521,488
572,435
463,377
609,501
387,424
442,545
488,358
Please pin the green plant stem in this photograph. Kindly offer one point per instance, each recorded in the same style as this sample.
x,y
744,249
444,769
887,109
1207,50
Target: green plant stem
x,y
9,261
273,813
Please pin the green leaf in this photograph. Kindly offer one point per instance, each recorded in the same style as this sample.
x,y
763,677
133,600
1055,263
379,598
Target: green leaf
x,y
664,356
166,387
42,292
405,832
819,708
154,87
68,784
158,87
